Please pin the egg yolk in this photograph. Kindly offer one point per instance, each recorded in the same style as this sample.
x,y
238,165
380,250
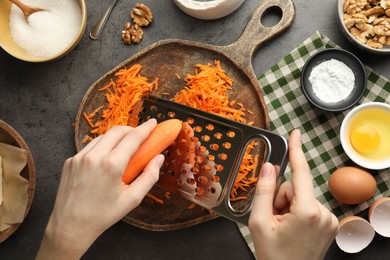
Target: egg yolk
x,y
365,138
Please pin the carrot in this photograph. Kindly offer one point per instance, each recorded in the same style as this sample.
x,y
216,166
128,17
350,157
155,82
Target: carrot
x,y
161,137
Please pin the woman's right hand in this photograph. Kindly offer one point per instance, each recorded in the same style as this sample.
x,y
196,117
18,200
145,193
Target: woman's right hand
x,y
294,225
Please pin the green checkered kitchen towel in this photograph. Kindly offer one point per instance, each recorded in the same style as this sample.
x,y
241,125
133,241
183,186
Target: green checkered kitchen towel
x,y
289,109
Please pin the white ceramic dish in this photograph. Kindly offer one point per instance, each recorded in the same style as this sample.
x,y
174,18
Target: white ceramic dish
x,y
346,125
340,13
208,9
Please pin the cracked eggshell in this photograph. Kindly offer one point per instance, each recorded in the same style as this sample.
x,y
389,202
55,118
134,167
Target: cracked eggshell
x,y
355,234
208,10
379,216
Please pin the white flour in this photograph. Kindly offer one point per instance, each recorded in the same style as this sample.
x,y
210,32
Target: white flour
x,y
332,81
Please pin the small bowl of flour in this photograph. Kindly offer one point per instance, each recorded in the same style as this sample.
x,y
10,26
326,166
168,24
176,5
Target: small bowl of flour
x,y
46,35
333,79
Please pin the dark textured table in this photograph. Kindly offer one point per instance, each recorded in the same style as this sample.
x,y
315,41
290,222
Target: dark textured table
x,y
41,100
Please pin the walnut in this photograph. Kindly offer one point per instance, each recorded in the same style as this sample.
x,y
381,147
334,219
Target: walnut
x,y
368,21
132,33
382,39
382,26
141,15
374,13
385,4
136,33
354,6
363,32
126,35
374,43
353,19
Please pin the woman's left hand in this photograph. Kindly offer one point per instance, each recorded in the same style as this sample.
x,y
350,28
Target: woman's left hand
x,y
91,196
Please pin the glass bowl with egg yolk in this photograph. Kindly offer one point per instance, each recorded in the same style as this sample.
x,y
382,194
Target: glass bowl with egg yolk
x,y
365,135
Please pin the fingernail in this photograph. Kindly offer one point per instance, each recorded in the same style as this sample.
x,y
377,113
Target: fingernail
x,y
298,134
160,159
266,170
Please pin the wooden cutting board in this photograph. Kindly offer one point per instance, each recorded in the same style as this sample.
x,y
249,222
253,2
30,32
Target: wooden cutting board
x,y
166,58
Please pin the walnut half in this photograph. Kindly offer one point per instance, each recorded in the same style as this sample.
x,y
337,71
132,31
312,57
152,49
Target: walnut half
x,y
141,15
132,33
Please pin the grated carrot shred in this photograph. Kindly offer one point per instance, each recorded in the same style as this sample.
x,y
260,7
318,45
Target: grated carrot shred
x,y
151,196
122,95
191,206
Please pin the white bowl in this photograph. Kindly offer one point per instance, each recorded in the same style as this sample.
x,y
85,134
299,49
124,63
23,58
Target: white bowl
x,y
208,9
8,44
358,158
340,12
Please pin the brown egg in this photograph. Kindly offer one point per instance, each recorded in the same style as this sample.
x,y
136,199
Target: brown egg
x,y
351,185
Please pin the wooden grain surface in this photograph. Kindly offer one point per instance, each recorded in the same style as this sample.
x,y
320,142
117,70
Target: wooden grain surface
x,y
166,58
8,135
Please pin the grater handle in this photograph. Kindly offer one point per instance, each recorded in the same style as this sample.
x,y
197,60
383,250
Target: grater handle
x,y
277,156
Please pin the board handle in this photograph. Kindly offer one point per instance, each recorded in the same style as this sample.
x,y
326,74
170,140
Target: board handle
x,y
255,33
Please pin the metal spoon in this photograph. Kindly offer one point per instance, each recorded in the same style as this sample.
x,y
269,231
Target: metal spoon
x,y
26,9
98,27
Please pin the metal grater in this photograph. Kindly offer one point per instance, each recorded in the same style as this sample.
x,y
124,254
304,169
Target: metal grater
x,y
204,161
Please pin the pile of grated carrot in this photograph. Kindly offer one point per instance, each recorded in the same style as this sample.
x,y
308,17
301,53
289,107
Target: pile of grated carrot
x,y
122,95
207,90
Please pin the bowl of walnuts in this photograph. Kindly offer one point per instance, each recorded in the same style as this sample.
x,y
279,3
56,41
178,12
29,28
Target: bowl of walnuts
x,y
366,23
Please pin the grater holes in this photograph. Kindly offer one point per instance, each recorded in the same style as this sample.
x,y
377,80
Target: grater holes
x,y
171,114
195,170
218,135
222,156
153,108
202,179
226,145
190,120
206,168
197,129
231,134
211,157
205,138
198,159
210,127
211,190
214,147
199,190
216,178
219,168
194,139
191,181
202,149
161,116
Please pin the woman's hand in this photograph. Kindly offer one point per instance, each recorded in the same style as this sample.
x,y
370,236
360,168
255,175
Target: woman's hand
x,y
91,196
294,225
